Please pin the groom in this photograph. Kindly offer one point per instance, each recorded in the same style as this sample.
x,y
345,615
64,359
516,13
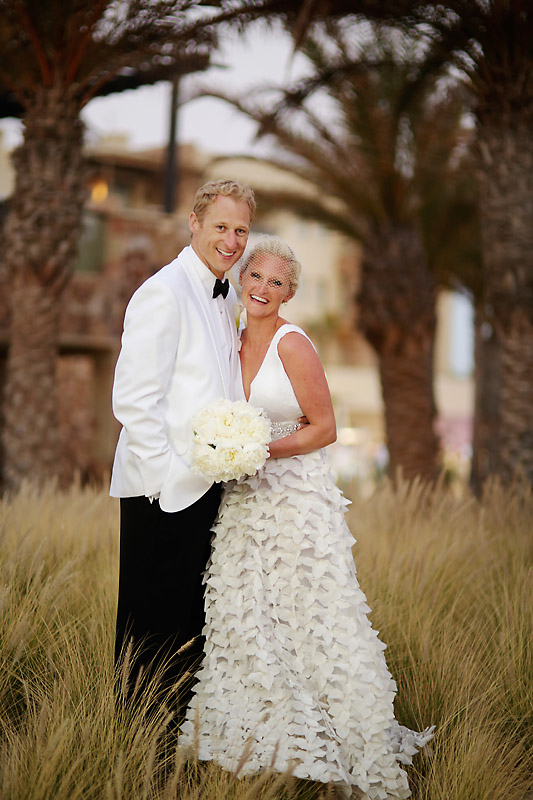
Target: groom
x,y
179,352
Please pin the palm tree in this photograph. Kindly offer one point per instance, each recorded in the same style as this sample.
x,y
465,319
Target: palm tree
x,y
496,54
54,58
381,152
488,45
451,231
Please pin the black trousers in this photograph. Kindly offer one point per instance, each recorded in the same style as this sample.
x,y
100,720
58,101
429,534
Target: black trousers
x,y
161,595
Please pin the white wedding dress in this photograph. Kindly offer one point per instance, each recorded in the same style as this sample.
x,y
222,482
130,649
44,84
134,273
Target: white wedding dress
x,y
294,676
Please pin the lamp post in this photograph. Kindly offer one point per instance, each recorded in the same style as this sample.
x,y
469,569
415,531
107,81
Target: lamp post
x,y
171,178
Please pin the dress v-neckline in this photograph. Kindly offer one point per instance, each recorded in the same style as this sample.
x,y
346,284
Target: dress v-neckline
x,y
260,365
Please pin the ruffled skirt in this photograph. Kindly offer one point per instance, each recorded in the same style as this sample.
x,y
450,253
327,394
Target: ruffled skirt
x,y
294,676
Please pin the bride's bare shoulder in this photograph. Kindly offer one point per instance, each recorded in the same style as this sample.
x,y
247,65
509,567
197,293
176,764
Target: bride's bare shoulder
x,y
296,345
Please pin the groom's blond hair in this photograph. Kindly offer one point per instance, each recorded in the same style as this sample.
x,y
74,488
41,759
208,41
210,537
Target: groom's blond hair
x,y
208,193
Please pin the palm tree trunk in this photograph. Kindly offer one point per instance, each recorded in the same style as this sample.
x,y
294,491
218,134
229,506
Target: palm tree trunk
x,y
516,412
31,437
406,383
41,236
486,422
397,315
505,160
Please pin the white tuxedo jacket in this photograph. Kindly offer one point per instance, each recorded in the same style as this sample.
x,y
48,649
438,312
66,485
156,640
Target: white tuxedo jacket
x,y
171,364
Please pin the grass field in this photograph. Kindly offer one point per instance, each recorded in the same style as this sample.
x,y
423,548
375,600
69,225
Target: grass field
x,y
450,583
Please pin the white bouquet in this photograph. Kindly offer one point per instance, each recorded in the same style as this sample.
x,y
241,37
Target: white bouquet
x,y
230,440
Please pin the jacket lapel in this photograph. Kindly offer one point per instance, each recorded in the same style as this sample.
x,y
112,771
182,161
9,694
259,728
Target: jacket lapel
x,y
211,323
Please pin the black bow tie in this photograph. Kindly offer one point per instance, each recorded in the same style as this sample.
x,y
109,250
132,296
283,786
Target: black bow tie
x,y
221,287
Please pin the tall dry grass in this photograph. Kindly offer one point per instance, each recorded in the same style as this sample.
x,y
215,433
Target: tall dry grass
x,y
450,581
450,584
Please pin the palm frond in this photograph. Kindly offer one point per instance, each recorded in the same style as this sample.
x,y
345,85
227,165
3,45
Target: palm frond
x,y
83,45
310,209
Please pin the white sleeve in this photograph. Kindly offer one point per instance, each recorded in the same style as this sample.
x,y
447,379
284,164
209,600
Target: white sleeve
x,y
142,375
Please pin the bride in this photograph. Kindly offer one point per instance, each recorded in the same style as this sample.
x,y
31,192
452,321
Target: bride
x,y
294,677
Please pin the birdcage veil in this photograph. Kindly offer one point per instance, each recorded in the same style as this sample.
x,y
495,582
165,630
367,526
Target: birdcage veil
x,y
267,247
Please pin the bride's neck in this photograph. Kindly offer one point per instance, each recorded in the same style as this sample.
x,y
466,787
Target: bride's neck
x,y
261,331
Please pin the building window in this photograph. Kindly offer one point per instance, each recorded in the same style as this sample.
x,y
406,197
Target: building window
x,y
92,243
99,191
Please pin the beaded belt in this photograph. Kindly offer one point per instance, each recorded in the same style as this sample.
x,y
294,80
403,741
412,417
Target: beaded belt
x,y
280,429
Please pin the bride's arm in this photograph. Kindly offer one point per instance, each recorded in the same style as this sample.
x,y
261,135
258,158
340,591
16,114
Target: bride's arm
x,y
306,375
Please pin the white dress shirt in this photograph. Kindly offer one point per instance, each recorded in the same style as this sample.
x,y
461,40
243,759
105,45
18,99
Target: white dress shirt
x,y
224,320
